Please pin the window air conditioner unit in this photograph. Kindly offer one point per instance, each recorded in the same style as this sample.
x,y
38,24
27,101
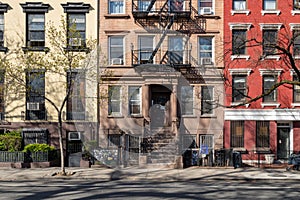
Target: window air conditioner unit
x,y
75,42
33,106
206,61
117,61
74,136
206,10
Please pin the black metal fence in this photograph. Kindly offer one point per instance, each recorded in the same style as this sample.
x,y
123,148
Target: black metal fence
x,y
23,157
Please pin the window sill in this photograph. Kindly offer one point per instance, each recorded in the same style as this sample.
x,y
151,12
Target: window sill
x,y
240,104
239,149
115,116
277,12
125,16
259,150
208,116
136,116
270,105
44,49
247,57
189,116
297,57
277,58
4,49
77,49
233,12
295,12
295,105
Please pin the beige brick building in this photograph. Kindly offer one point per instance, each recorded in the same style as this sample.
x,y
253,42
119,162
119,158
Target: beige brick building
x,y
164,59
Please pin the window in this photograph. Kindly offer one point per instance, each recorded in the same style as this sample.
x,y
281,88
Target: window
x,y
33,136
187,102
296,96
116,50
35,24
188,141
269,42
239,88
116,7
76,22
76,30
76,100
114,140
205,50
134,100
296,4
146,48
35,95
114,100
2,75
237,134
207,100
268,83
3,9
269,4
262,134
296,47
205,7
239,38
144,5
239,5
175,50
176,5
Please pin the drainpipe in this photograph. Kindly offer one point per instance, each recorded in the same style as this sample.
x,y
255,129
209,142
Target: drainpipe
x,y
98,70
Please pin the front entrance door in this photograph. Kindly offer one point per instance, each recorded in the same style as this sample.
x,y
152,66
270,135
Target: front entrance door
x,y
160,106
283,142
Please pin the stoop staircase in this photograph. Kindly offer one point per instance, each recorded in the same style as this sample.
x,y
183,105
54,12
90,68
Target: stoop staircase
x,y
160,147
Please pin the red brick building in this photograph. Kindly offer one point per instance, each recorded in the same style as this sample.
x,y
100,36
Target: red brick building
x,y
253,65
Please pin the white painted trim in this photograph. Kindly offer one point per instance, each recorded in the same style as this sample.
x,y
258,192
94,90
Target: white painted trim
x,y
240,26
270,71
270,104
247,12
277,12
240,71
274,57
295,105
294,12
247,57
294,26
270,26
262,114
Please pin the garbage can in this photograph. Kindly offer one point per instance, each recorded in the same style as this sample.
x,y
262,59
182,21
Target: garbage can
x,y
237,159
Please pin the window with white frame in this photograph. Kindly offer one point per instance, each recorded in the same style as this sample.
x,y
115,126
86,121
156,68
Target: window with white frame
x,y
205,7
3,9
269,4
239,88
134,95
116,50
206,143
205,50
116,6
175,50
239,5
207,100
268,83
187,100
239,37
114,100
144,5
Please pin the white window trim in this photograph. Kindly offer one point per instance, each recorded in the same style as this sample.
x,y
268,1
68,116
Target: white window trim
x,y
240,71
295,26
121,13
213,100
193,111
212,9
271,57
115,114
275,26
109,49
277,12
212,48
240,26
247,57
270,72
277,105
247,12
295,12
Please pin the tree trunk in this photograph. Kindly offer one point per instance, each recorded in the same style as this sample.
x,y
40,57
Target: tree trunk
x,y
62,157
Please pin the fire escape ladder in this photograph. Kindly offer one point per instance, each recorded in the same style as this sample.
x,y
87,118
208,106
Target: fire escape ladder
x,y
150,5
164,34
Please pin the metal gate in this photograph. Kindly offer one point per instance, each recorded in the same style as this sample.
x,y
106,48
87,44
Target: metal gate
x,y
132,149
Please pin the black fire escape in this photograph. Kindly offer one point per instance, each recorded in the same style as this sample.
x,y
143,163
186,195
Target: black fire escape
x,y
163,17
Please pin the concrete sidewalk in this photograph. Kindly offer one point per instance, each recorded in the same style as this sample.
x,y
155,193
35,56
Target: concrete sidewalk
x,y
138,174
